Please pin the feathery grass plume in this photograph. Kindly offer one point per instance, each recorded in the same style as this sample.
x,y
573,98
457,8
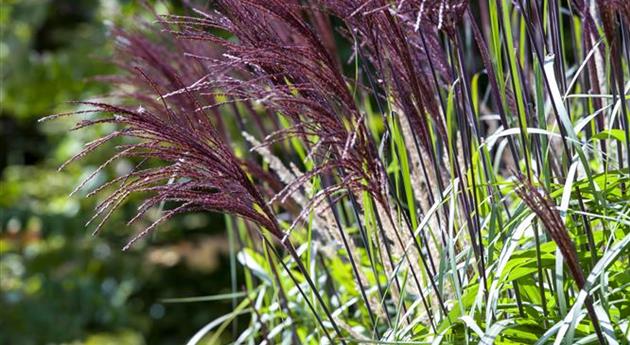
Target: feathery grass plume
x,y
613,13
538,201
199,171
283,66
399,57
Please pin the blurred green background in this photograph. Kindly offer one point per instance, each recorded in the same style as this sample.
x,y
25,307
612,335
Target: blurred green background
x,y
58,283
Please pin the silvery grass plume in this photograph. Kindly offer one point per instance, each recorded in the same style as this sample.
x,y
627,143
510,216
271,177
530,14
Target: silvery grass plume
x,y
379,206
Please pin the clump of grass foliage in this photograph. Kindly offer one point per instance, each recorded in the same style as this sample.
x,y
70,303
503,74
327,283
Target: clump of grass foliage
x,y
391,171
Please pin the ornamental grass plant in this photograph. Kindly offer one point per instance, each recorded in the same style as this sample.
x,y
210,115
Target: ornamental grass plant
x,y
391,172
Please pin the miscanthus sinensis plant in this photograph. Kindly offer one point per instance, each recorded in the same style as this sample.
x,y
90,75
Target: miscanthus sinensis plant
x,y
408,172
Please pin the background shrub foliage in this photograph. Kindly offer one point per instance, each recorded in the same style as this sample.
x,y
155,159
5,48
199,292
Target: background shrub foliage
x,y
413,171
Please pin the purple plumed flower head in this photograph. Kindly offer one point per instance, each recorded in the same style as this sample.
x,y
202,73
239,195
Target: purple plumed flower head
x,y
178,90
613,13
405,59
198,170
276,60
539,201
